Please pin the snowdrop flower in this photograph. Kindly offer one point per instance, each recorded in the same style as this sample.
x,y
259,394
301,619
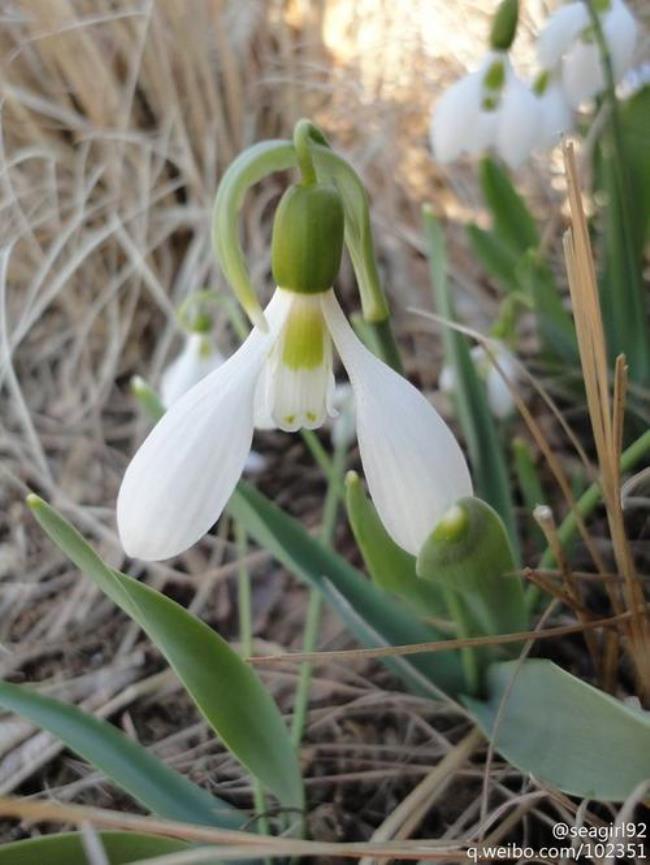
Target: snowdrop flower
x,y
182,476
490,108
198,358
343,425
556,116
568,40
499,398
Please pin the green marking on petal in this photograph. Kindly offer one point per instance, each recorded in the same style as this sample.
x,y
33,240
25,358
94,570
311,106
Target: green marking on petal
x,y
495,76
303,338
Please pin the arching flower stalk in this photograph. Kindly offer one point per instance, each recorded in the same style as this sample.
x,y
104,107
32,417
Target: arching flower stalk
x,y
181,478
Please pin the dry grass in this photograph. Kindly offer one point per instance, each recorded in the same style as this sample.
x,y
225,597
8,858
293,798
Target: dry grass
x,y
118,119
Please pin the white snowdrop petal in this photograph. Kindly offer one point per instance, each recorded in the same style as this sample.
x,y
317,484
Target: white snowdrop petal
x,y
454,118
556,117
561,30
518,123
413,465
620,30
196,360
183,474
582,74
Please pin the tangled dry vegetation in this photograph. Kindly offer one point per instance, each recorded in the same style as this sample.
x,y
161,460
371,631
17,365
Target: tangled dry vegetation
x,y
118,118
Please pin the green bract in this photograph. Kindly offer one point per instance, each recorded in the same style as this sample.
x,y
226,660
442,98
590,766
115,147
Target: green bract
x,y
308,238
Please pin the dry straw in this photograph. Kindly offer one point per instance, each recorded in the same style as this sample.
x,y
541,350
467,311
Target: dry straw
x,y
606,413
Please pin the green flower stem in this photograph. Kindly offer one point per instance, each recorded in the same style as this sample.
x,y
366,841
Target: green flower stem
x,y
302,135
584,507
245,604
312,622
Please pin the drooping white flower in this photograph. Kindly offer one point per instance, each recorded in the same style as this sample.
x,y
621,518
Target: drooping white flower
x,y
198,357
343,427
182,476
568,39
487,109
556,116
498,393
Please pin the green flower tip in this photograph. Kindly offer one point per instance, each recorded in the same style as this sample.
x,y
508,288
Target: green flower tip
x,y
34,502
453,525
352,479
504,25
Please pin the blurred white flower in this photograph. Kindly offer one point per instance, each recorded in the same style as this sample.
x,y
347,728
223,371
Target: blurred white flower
x,y
568,40
556,115
343,426
499,398
198,357
487,109
181,478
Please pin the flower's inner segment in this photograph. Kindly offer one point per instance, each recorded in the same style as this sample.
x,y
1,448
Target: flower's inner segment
x,y
298,382
493,82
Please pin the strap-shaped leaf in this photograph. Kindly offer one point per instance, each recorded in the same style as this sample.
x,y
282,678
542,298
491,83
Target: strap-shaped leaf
x,y
513,224
225,689
159,788
564,732
363,607
391,568
122,848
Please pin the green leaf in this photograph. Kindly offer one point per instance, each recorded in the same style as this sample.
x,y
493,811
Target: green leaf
x,y
486,453
67,848
225,689
391,568
159,788
362,606
469,553
498,258
554,323
564,732
514,225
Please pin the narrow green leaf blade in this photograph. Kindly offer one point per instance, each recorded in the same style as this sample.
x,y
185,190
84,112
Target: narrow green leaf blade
x,y
486,453
225,689
514,225
67,848
391,568
319,566
145,777
498,258
565,732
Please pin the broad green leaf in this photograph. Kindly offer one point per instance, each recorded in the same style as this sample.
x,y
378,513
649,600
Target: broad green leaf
x,y
225,689
469,553
67,848
513,222
365,608
159,788
565,732
486,453
498,258
391,568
